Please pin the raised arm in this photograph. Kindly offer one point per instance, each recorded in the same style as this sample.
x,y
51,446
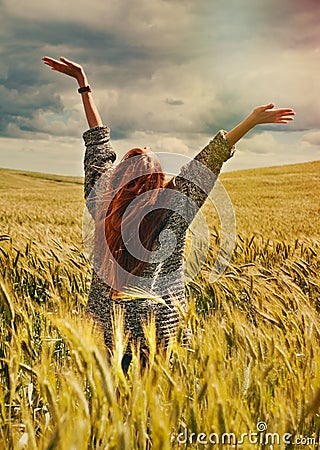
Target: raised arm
x,y
260,115
76,71
99,155
197,178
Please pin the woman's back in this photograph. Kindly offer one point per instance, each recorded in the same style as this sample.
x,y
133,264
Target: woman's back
x,y
162,279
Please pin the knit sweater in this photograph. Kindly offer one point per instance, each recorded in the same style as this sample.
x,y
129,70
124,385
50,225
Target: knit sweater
x,y
164,279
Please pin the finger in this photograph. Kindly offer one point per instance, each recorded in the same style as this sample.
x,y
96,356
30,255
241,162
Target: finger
x,y
53,66
285,111
66,61
269,106
285,117
50,65
46,58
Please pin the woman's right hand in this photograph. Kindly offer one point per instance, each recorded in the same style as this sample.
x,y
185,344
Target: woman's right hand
x,y
67,67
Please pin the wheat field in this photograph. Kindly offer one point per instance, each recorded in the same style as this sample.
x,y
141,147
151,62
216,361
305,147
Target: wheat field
x,y
251,375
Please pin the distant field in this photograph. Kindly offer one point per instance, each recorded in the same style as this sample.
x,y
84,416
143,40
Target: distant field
x,y
253,365
282,202
37,204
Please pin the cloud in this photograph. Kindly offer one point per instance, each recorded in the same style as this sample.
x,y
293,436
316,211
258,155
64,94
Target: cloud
x,y
174,102
261,144
173,72
51,155
312,138
272,149
158,24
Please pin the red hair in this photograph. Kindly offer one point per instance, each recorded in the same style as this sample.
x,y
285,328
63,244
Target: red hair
x,y
135,177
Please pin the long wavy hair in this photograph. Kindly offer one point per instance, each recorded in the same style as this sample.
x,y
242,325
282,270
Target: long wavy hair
x,y
141,180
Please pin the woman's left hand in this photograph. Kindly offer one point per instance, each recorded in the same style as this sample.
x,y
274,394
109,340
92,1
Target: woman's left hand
x,y
266,114
260,115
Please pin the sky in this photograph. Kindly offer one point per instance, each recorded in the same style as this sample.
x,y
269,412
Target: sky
x,y
164,73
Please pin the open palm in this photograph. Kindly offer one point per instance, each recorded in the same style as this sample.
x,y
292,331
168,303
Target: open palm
x,y
65,66
266,114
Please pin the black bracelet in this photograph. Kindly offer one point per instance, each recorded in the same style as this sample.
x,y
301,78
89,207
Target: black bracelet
x,y
84,89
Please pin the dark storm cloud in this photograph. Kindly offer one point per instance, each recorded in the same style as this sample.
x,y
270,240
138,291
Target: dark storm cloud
x,y
173,102
26,87
120,60
168,70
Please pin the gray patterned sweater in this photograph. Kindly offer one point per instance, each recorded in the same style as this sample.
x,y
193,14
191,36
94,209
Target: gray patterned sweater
x,y
164,279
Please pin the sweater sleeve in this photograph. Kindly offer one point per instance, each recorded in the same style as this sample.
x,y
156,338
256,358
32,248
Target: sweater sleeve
x,y
99,156
196,179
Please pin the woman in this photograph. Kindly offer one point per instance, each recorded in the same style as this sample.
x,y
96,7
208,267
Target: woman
x,y
127,237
